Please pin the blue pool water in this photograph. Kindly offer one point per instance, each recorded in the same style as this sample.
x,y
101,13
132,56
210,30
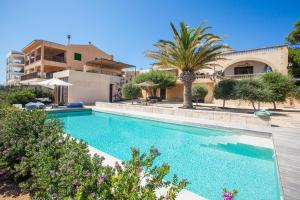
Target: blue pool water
x,y
210,159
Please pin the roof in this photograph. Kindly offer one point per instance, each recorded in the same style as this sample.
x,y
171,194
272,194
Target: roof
x,y
102,62
14,52
40,41
253,50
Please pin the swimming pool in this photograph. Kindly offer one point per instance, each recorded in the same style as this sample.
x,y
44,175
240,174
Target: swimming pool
x,y
209,158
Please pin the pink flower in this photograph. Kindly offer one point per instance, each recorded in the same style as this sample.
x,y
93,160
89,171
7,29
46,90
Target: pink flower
x,y
102,178
140,169
155,150
135,150
117,166
74,182
228,196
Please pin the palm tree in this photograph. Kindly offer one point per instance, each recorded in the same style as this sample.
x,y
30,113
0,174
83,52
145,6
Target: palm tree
x,y
294,36
190,50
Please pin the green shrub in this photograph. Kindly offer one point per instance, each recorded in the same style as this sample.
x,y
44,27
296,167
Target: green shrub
x,y
199,92
225,90
41,92
20,97
130,91
20,130
279,86
48,163
23,94
252,90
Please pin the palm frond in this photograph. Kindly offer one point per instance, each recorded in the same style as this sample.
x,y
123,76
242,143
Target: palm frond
x,y
190,50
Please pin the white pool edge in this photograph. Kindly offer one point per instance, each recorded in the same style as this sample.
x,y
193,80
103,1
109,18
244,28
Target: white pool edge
x,y
264,141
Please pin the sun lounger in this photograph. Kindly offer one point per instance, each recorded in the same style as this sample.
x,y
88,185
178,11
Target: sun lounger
x,y
75,105
35,105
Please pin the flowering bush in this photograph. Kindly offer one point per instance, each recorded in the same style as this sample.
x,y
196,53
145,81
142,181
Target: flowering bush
x,y
229,195
38,155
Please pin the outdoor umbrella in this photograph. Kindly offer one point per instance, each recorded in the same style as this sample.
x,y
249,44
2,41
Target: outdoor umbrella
x,y
53,83
147,85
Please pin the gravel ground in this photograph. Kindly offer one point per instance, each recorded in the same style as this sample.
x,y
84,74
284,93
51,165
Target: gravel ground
x,y
9,191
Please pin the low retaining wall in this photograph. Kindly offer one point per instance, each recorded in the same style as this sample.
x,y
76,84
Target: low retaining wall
x,y
244,120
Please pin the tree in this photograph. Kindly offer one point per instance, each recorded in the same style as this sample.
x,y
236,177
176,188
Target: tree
x,y
278,85
294,62
163,78
294,52
294,36
190,50
131,91
225,90
199,92
297,93
252,90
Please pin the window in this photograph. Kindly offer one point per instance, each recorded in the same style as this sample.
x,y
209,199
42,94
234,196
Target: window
x,y
77,56
243,70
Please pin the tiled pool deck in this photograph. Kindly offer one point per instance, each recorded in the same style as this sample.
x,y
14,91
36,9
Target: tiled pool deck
x,y
286,144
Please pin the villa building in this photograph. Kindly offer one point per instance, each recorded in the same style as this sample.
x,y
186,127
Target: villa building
x,y
94,74
14,67
235,65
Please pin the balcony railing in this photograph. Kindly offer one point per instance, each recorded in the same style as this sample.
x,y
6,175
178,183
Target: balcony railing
x,y
218,76
203,76
33,75
242,76
50,58
56,58
38,57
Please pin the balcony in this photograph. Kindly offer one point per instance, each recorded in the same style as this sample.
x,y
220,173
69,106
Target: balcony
x,y
55,58
33,75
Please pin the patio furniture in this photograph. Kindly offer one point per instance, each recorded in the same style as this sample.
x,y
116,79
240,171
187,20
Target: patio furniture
x,y
74,105
44,100
54,105
153,100
147,85
34,105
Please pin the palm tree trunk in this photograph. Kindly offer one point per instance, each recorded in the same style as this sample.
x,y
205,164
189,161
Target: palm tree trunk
x,y
187,77
187,95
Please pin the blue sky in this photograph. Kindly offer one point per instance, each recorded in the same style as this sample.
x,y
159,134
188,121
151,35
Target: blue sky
x,y
126,28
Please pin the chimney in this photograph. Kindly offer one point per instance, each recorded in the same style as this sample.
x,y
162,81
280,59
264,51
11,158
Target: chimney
x,y
69,38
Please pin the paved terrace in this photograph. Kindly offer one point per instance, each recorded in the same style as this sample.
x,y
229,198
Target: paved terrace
x,y
285,132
